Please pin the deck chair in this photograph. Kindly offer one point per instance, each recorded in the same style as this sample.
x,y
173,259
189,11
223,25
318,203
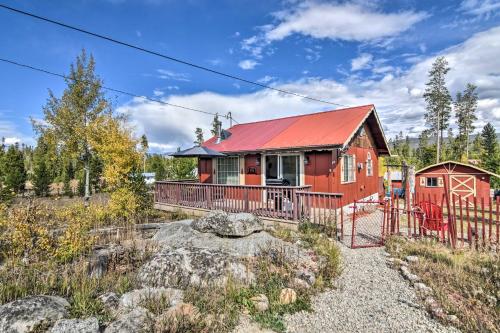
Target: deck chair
x,y
430,217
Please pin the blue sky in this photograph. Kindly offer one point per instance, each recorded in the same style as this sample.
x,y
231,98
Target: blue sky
x,y
348,52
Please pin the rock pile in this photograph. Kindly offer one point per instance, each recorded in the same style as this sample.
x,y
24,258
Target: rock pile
x,y
203,252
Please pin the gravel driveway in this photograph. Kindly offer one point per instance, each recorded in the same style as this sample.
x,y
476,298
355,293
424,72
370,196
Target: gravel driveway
x,y
370,297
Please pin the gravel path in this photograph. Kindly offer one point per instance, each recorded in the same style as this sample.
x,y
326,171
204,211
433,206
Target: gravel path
x,y
370,297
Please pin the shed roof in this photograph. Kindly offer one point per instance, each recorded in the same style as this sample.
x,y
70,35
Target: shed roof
x,y
317,130
458,163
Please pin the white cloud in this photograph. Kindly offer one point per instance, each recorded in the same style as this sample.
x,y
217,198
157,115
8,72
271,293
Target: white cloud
x,y
361,62
138,33
397,96
480,7
12,140
247,64
348,21
158,92
266,79
170,75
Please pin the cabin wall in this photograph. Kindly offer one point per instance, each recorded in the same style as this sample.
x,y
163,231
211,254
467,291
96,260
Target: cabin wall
x,y
323,171
482,181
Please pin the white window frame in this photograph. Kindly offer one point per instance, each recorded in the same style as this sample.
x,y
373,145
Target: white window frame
x,y
351,169
219,171
369,165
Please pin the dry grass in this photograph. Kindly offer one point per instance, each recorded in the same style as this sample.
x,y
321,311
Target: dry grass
x,y
466,283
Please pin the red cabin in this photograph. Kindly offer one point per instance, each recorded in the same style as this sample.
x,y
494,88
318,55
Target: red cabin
x,y
467,181
333,151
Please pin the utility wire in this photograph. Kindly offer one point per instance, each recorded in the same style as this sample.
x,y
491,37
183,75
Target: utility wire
x,y
184,62
112,89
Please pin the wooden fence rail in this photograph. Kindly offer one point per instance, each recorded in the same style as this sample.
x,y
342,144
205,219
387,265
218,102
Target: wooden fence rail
x,y
280,202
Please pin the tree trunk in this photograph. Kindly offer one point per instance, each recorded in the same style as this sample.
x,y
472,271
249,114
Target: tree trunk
x,y
87,183
467,146
439,135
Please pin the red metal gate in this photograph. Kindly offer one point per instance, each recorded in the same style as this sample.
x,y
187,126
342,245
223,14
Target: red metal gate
x,y
368,223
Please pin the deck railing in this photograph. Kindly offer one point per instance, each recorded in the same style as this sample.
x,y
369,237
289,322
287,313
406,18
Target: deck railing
x,y
280,202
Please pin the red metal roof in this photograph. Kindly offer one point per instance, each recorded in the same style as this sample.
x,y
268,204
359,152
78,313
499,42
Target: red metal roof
x,y
329,128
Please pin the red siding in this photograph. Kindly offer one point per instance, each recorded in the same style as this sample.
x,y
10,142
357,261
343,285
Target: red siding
x,y
482,180
364,185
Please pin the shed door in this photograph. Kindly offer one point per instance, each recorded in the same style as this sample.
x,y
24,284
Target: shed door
x,y
463,185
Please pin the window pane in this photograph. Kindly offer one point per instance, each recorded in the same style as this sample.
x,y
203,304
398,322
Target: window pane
x,y
289,169
228,171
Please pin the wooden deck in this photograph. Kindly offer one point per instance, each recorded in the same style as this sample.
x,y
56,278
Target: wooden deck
x,y
279,202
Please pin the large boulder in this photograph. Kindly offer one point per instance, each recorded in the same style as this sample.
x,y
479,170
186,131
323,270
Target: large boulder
x,y
136,320
182,234
89,325
186,266
25,314
139,296
231,225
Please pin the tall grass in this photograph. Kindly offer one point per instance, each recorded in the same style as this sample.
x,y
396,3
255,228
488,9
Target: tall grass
x,y
465,282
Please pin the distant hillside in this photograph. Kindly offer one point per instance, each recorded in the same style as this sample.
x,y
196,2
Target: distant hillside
x,y
414,141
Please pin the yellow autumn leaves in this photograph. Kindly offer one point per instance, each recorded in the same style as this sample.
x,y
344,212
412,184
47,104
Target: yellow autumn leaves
x,y
36,232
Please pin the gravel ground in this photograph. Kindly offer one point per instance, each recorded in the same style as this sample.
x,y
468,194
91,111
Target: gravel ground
x,y
370,297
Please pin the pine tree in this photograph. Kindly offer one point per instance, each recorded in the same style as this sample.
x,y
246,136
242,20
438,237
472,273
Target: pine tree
x,y
41,174
96,167
465,109
438,101
425,153
14,172
490,158
68,176
156,164
215,125
144,146
199,136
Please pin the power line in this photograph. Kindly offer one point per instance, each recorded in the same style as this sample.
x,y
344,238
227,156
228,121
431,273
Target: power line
x,y
184,62
115,90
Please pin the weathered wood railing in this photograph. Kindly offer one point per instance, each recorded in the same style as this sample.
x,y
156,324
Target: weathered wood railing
x,y
281,202
320,207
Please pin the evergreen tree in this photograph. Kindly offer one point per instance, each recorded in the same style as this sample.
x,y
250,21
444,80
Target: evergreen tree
x,y
68,176
199,136
425,153
157,164
215,125
489,158
41,174
438,101
2,167
145,147
465,109
14,172
96,168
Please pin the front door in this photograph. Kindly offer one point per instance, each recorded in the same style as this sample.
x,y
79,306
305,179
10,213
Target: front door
x,y
284,167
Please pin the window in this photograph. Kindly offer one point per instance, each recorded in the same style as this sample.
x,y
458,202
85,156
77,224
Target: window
x,y
432,182
286,167
348,169
228,171
369,165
